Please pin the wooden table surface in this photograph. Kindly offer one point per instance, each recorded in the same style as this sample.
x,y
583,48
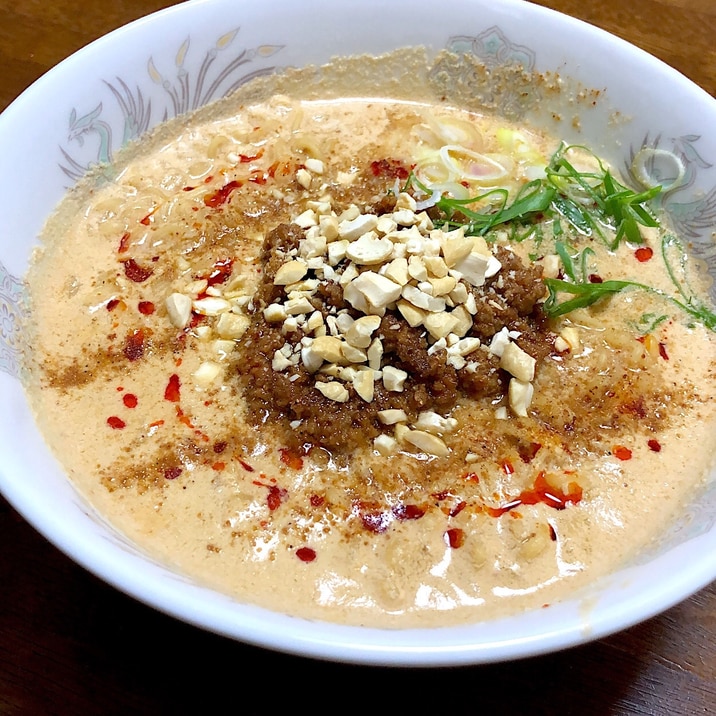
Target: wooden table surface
x,y
69,644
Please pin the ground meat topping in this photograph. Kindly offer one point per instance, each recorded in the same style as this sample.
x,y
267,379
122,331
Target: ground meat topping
x,y
373,324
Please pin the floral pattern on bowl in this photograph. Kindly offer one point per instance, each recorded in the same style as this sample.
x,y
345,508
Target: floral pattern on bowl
x,y
11,311
190,82
675,164
493,48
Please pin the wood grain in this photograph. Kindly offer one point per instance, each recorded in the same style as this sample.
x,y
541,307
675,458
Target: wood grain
x,y
679,32
69,644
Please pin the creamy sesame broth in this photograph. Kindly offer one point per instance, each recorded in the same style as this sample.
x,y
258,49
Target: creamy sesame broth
x,y
270,356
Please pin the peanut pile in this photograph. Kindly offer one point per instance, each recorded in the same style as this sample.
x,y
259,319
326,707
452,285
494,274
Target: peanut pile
x,y
393,262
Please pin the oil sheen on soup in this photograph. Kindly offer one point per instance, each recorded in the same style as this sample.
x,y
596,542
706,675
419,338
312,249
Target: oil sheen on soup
x,y
358,360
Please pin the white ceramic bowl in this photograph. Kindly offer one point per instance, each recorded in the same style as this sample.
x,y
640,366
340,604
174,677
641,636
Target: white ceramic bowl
x,y
79,113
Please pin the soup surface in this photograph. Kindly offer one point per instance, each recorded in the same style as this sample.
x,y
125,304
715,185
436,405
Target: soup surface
x,y
272,354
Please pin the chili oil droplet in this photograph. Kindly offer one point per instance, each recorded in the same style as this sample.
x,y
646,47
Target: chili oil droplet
x,y
134,272
171,392
621,452
643,253
291,459
134,345
455,537
654,445
221,196
306,554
